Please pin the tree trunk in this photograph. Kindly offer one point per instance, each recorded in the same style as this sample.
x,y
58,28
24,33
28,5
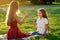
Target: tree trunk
x,y
50,1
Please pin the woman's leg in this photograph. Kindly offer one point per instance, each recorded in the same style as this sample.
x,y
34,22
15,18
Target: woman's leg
x,y
20,34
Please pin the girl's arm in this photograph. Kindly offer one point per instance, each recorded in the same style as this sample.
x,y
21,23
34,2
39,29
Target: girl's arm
x,y
46,28
34,22
21,21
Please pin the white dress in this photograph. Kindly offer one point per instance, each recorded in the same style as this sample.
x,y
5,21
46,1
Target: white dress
x,y
41,25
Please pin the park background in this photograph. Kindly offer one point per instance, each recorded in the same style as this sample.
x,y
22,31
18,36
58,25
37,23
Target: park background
x,y
30,6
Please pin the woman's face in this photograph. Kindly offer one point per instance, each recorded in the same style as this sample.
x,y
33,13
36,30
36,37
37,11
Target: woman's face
x,y
40,14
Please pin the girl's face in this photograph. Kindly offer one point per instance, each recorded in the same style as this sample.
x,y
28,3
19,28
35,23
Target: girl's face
x,y
40,14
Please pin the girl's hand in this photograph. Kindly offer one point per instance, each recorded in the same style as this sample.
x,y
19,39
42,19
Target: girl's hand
x,y
33,19
34,22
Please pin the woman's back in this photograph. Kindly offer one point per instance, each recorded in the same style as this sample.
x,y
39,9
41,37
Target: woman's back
x,y
14,24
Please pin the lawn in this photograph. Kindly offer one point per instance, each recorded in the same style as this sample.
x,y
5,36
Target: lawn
x,y
53,12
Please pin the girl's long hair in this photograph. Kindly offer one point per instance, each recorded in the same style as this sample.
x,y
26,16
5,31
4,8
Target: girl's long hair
x,y
11,12
43,12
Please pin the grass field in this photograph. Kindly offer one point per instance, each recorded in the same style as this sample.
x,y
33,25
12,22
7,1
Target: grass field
x,y
53,12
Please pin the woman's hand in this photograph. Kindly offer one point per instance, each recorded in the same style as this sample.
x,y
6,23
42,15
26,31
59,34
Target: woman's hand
x,y
26,15
22,21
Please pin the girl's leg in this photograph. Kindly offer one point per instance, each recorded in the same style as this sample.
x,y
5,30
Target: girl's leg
x,y
38,33
45,35
34,33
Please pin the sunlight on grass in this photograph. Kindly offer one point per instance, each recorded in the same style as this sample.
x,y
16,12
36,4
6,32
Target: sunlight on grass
x,y
53,15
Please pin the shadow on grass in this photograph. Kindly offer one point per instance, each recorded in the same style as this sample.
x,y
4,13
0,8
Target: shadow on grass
x,y
52,37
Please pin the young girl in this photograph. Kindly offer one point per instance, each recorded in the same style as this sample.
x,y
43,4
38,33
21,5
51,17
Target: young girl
x,y
42,23
12,21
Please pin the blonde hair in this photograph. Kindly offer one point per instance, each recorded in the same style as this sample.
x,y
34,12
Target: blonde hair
x,y
11,12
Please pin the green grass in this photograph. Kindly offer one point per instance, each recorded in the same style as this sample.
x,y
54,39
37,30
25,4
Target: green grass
x,y
53,12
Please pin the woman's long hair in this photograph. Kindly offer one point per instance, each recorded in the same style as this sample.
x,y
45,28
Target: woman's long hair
x,y
11,12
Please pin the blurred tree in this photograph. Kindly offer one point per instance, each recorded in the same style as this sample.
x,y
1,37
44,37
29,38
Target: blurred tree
x,y
42,1
34,1
39,1
4,2
57,0
22,2
50,1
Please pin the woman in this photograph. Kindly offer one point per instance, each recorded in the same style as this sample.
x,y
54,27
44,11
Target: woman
x,y
12,21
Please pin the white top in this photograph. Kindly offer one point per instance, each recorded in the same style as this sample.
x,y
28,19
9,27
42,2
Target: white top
x,y
41,25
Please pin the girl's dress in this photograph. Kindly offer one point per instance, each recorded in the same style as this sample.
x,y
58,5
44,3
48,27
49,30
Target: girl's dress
x,y
14,32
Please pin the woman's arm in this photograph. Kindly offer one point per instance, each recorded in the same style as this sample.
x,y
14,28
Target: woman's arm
x,y
21,21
